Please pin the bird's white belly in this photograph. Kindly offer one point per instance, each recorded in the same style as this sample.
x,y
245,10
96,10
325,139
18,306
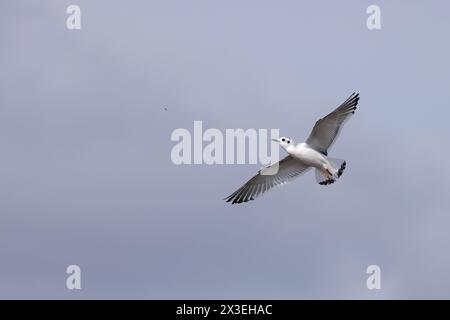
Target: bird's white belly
x,y
309,156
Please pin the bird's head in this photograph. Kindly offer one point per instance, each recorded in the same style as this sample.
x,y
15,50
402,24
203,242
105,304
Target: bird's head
x,y
284,142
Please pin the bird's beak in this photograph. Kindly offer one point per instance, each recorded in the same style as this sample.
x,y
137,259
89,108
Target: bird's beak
x,y
276,140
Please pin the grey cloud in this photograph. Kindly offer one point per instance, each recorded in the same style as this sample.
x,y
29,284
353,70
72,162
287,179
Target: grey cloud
x,y
86,176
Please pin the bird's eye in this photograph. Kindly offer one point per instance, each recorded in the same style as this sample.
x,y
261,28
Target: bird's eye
x,y
289,141
282,139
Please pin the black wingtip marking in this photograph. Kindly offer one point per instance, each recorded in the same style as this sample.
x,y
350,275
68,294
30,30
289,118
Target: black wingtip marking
x,y
234,199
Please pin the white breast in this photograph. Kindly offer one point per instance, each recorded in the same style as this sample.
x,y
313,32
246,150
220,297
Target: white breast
x,y
308,155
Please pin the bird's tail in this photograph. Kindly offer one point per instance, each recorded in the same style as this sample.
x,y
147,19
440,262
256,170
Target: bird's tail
x,y
330,175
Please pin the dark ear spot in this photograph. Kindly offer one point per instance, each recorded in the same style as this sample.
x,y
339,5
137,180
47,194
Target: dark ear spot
x,y
282,139
289,141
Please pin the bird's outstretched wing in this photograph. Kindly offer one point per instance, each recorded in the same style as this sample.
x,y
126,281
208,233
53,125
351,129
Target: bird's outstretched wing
x,y
288,169
327,129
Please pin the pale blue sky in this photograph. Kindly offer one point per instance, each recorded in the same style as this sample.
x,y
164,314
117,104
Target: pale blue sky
x,y
86,176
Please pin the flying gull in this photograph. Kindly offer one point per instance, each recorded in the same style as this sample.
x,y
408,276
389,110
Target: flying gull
x,y
303,156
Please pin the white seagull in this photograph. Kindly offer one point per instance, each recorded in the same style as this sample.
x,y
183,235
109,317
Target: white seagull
x,y
303,156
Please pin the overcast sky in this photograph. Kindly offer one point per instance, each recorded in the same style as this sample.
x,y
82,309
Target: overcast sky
x,y
86,176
